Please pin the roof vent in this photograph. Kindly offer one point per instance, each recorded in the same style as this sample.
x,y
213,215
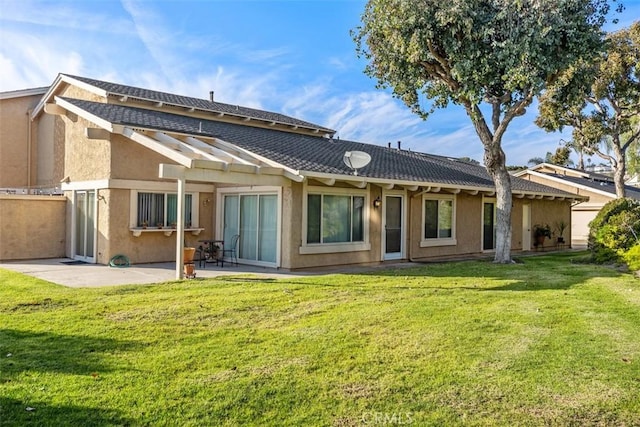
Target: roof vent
x,y
211,93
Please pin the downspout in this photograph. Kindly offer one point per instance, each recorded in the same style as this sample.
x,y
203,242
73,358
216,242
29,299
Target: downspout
x,y
29,144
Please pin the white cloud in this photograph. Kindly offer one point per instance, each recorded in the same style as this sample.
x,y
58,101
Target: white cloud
x,y
29,61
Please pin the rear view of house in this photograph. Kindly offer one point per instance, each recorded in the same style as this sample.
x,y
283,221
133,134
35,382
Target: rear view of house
x,y
142,171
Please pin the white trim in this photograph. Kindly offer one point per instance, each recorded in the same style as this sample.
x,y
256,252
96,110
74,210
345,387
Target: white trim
x,y
74,255
21,93
403,225
322,248
329,248
253,190
438,242
133,208
442,241
572,184
567,171
129,184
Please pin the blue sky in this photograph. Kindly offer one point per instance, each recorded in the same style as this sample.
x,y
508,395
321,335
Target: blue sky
x,y
295,57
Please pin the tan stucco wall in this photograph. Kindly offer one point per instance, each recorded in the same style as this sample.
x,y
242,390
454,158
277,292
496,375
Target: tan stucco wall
x,y
32,227
550,212
582,213
79,93
130,160
291,257
14,142
50,150
85,159
468,228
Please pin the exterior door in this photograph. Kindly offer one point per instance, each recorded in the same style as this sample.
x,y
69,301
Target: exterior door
x,y
393,227
526,227
255,218
84,225
489,226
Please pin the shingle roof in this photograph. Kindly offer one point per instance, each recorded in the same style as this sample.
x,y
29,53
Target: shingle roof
x,y
313,153
601,183
200,104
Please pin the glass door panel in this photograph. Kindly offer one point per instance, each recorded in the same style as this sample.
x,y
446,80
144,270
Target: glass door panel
x,y
393,226
268,228
488,229
84,225
255,218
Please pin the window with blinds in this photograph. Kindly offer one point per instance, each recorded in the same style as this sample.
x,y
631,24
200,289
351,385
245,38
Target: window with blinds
x,y
161,209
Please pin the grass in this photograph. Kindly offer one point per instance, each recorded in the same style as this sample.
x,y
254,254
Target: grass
x,y
542,342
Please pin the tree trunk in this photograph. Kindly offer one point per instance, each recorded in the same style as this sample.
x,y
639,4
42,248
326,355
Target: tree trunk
x,y
620,171
495,162
494,159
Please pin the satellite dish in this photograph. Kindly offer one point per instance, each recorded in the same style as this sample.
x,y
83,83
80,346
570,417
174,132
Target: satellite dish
x,y
356,160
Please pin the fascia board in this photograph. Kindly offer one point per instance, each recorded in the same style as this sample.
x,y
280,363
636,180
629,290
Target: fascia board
x,y
104,124
382,181
555,167
442,186
572,184
55,86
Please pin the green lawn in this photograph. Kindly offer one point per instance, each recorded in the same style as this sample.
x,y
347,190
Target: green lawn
x,y
542,342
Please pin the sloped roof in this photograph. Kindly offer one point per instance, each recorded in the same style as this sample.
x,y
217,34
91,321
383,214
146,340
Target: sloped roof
x,y
601,183
306,153
115,89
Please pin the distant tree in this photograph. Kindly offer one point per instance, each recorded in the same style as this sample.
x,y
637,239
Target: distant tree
x,y
560,157
633,152
535,161
484,52
579,150
469,160
600,100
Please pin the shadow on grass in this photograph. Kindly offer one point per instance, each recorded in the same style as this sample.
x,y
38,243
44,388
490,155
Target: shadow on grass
x,y
48,352
15,413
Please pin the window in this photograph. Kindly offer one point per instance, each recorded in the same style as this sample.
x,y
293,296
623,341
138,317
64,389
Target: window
x,y
335,218
162,209
438,220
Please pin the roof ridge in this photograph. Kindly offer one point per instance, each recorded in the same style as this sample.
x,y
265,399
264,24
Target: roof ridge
x,y
199,103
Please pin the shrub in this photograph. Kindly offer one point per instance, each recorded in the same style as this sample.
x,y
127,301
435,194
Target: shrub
x,y
632,258
614,230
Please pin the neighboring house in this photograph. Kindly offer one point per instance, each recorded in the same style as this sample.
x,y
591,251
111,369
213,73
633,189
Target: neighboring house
x,y
127,157
599,188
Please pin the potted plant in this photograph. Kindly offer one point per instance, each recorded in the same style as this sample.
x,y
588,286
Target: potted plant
x,y
540,231
560,227
145,224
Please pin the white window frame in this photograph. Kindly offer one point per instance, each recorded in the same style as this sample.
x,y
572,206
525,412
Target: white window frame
x,y
195,214
324,248
251,191
446,241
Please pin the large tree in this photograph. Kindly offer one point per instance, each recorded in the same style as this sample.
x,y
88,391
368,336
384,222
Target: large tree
x,y
492,57
600,100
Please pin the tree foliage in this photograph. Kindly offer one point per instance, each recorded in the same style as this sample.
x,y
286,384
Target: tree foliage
x,y
498,54
600,99
615,229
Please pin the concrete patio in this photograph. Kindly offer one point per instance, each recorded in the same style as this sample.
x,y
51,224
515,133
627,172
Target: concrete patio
x,y
81,275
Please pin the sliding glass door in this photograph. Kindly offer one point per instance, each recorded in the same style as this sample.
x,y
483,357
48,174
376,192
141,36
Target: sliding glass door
x,y
255,218
84,226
